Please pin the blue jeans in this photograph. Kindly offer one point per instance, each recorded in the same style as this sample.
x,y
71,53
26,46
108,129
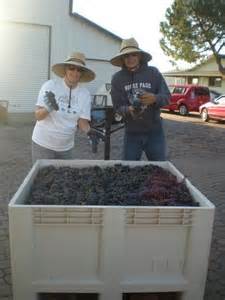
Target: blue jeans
x,y
152,143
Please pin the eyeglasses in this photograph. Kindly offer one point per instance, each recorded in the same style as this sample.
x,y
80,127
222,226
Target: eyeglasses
x,y
73,68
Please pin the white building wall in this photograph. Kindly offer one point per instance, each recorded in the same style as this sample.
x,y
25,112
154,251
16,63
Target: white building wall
x,y
220,89
104,71
66,34
174,80
54,13
98,47
24,64
209,66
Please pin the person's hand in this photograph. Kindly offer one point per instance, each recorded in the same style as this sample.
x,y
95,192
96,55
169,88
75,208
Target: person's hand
x,y
95,137
50,101
147,98
131,110
93,133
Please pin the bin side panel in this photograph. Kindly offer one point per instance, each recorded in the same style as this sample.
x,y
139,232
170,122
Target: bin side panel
x,y
197,255
66,252
154,251
21,252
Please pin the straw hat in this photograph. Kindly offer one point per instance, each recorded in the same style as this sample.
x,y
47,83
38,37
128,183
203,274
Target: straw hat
x,y
129,46
76,59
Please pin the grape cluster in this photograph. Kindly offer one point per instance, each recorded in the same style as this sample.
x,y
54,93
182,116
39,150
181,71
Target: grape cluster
x,y
117,185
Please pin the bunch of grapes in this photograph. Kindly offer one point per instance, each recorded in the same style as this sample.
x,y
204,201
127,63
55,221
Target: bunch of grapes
x,y
117,185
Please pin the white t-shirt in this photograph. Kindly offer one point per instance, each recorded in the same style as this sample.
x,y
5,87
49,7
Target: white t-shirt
x,y
56,131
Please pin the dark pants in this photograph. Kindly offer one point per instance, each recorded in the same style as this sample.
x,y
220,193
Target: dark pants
x,y
152,144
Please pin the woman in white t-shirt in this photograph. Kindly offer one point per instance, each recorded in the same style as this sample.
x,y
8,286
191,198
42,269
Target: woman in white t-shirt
x,y
62,106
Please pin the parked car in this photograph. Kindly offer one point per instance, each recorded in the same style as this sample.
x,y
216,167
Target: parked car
x,y
100,101
214,95
213,110
187,98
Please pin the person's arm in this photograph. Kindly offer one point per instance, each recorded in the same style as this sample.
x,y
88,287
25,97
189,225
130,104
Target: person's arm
x,y
161,97
41,113
84,125
163,94
148,98
46,101
120,105
94,135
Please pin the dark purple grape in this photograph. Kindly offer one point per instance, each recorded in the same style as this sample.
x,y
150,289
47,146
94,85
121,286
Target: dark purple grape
x,y
117,185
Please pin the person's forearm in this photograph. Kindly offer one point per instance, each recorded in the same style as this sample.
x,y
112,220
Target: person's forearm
x,y
84,125
163,94
119,100
41,113
162,99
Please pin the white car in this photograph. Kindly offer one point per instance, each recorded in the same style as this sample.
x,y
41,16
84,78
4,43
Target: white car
x,y
214,95
213,110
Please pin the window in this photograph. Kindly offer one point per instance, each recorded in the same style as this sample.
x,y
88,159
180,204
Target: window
x,y
171,88
215,81
202,92
99,100
178,90
193,80
221,101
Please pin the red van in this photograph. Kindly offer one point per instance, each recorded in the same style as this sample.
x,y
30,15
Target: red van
x,y
187,97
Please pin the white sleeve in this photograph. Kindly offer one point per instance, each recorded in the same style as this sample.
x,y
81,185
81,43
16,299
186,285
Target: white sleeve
x,y
85,102
47,86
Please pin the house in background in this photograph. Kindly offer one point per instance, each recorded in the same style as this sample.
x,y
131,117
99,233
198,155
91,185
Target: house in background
x,y
206,74
34,35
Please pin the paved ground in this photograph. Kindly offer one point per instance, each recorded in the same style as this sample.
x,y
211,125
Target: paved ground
x,y
196,148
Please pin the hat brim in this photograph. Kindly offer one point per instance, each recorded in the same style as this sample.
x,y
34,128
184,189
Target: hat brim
x,y
86,74
118,59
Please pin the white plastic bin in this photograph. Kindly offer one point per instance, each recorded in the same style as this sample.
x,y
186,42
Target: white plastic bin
x,y
109,250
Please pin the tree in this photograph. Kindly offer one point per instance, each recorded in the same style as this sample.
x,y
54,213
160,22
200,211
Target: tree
x,y
193,30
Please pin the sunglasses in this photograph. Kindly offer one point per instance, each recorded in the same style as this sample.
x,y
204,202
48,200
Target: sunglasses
x,y
130,54
73,68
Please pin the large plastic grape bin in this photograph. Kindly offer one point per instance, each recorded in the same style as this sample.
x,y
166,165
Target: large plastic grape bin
x,y
108,250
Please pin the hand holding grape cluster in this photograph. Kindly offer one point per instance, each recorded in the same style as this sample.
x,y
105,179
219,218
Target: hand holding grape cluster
x,y
147,98
50,101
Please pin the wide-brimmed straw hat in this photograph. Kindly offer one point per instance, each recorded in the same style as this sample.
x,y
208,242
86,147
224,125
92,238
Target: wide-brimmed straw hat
x,y
129,46
76,59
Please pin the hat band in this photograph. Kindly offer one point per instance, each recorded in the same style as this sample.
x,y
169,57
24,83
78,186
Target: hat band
x,y
128,47
76,60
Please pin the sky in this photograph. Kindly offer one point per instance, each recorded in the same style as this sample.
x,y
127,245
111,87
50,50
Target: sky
x,y
139,19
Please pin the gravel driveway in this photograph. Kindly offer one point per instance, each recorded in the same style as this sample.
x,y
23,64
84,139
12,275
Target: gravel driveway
x,y
197,149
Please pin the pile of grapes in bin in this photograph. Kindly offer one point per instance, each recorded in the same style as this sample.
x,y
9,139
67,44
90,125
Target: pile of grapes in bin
x,y
122,185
